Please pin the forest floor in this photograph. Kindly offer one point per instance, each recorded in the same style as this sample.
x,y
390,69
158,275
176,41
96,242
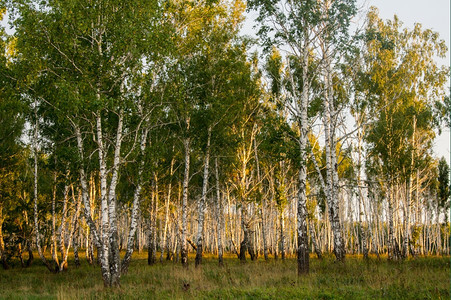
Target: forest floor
x,y
419,278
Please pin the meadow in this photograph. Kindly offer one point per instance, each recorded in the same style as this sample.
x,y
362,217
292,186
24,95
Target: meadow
x,y
419,278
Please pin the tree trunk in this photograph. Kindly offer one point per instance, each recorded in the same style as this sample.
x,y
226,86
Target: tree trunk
x,y
282,235
302,237
2,242
315,242
104,225
165,243
201,204
183,246
75,241
405,243
115,260
72,237
363,230
219,214
62,229
51,268
393,250
263,204
155,220
331,162
245,227
54,247
135,208
152,230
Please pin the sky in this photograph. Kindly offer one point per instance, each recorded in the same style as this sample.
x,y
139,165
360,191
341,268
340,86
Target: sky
x,y
432,14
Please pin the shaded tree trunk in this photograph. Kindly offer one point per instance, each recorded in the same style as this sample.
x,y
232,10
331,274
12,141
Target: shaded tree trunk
x,y
245,227
51,268
302,237
314,241
219,215
263,204
135,208
183,245
331,161
201,204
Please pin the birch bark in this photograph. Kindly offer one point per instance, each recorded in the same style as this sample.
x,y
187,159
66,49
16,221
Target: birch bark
x,y
331,159
135,207
302,237
263,204
104,225
201,204
35,186
115,260
164,242
220,215
183,246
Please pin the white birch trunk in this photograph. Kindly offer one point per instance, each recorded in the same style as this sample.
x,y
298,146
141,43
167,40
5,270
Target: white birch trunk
x,y
183,246
263,204
135,207
75,216
62,228
220,215
104,227
164,242
84,190
302,237
114,259
54,247
201,204
35,186
331,161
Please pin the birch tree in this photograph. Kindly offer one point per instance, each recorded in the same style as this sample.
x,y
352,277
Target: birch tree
x,y
291,25
95,62
404,85
333,36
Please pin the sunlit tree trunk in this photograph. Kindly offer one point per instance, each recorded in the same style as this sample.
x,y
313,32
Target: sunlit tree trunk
x,y
54,248
2,242
164,242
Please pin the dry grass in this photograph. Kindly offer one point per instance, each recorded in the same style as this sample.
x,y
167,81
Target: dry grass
x,y
421,278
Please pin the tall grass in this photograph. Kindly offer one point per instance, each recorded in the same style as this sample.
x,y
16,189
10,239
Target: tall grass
x,y
420,278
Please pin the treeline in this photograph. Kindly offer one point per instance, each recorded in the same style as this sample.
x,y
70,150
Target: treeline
x,y
150,125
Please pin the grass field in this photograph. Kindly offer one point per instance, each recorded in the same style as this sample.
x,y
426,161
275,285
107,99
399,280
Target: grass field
x,y
420,278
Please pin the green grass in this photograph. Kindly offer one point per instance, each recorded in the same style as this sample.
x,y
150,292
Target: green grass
x,y
420,278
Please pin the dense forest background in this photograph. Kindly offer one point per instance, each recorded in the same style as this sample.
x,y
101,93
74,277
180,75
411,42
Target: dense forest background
x,y
150,124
